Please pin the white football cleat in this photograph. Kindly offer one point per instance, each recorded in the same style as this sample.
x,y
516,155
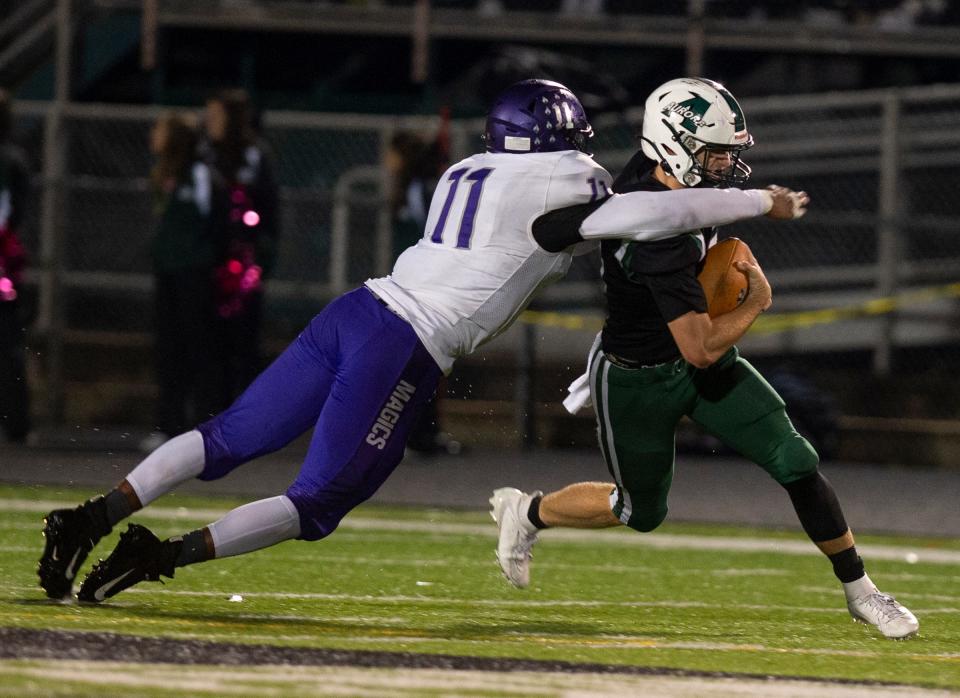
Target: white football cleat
x,y
517,535
868,605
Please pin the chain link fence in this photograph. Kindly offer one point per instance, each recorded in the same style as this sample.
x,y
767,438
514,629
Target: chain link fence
x,y
881,166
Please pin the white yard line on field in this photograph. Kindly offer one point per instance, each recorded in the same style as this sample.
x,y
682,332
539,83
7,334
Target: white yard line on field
x,y
946,598
251,596
398,683
661,541
911,577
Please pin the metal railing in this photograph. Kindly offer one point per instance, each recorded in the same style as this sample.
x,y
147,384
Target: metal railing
x,y
626,29
881,167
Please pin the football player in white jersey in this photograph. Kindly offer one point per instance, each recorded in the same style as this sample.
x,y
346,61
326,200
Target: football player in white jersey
x,y
363,367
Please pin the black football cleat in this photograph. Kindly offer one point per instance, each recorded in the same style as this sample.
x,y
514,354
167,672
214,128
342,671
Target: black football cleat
x,y
71,535
139,556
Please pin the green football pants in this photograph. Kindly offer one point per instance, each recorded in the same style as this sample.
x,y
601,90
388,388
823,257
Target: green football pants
x,y
638,411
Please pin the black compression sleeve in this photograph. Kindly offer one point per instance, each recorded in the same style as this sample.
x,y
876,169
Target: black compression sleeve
x,y
557,230
817,507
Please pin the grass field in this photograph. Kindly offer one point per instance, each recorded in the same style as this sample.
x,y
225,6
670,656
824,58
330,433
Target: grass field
x,y
697,598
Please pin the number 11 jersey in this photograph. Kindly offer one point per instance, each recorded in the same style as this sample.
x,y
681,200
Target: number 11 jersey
x,y
477,265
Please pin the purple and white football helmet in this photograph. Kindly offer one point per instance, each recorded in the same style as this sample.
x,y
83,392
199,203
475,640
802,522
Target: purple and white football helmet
x,y
536,116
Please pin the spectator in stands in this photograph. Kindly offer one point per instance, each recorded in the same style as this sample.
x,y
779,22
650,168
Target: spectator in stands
x,y
14,191
190,203
414,166
248,252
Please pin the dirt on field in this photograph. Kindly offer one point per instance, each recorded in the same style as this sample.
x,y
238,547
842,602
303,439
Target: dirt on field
x,y
92,659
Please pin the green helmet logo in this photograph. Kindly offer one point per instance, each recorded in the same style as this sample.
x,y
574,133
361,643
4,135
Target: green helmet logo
x,y
692,111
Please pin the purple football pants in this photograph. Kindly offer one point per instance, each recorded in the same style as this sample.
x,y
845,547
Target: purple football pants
x,y
358,373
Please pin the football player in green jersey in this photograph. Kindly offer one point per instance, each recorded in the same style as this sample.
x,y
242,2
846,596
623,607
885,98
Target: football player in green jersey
x,y
661,357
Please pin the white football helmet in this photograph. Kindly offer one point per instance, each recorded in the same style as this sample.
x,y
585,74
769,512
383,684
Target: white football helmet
x,y
687,120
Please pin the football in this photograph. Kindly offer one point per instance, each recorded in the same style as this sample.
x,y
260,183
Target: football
x,y
724,285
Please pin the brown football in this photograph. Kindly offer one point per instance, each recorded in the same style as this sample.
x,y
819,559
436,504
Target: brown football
x,y
724,285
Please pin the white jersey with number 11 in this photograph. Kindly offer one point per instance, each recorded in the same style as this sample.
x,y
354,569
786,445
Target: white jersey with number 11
x,y
477,265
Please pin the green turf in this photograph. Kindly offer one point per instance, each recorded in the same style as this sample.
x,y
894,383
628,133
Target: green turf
x,y
438,590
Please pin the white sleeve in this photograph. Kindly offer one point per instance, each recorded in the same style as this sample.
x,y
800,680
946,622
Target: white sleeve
x,y
654,215
576,179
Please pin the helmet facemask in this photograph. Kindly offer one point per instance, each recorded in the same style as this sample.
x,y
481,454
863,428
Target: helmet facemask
x,y
712,164
578,138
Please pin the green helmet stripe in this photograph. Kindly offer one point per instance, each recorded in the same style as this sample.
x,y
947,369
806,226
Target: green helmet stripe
x,y
739,123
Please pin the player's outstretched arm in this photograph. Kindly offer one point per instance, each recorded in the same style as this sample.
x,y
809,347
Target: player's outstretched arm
x,y
645,216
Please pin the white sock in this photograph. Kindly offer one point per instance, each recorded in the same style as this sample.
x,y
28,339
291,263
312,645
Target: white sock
x,y
859,587
254,526
176,461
